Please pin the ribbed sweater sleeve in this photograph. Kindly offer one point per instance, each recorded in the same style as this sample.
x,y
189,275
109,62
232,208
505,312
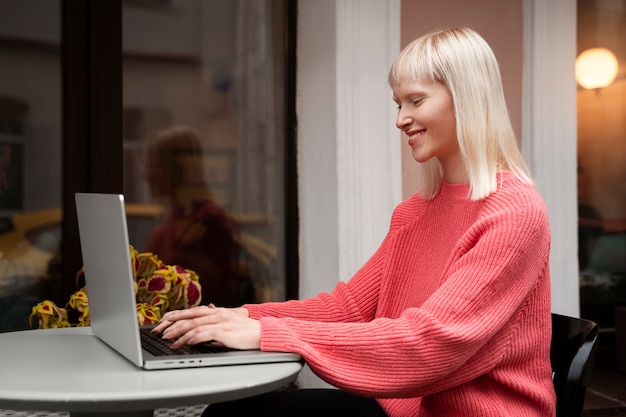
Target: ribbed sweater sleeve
x,y
458,292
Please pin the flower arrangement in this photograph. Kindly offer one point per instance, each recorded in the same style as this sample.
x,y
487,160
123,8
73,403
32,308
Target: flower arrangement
x,y
158,288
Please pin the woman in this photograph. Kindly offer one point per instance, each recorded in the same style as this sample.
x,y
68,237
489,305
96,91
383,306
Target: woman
x,y
451,315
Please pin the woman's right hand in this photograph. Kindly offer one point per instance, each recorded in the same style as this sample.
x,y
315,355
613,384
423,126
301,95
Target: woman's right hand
x,y
231,327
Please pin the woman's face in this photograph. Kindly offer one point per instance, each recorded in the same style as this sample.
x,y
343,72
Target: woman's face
x,y
426,116
157,174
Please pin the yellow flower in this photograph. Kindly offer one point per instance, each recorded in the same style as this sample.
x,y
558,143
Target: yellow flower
x,y
158,289
78,300
160,301
148,314
49,315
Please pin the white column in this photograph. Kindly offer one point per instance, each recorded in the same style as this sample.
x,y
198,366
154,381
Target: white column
x,y
349,176
549,134
348,146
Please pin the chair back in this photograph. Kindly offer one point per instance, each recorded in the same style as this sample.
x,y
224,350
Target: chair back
x,y
572,355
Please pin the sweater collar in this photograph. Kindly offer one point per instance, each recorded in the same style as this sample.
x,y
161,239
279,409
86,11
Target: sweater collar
x,y
461,191
454,191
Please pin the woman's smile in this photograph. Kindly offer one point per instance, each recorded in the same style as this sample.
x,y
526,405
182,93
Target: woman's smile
x,y
414,136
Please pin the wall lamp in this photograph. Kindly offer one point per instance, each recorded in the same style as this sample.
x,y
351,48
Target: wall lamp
x,y
596,68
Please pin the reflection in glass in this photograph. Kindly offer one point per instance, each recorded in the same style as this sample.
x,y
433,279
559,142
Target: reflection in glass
x,y
196,232
215,69
30,158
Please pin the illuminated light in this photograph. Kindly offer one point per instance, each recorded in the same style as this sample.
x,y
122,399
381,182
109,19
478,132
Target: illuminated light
x,y
596,68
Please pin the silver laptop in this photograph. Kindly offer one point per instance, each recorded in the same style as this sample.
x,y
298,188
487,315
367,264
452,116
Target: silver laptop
x,y
110,288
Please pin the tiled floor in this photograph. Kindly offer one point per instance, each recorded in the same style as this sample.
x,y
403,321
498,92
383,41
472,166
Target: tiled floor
x,y
606,395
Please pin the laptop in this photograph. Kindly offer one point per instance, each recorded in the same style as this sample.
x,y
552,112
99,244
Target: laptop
x,y
110,287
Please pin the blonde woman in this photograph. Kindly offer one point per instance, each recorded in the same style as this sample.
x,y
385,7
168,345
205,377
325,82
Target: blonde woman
x,y
451,315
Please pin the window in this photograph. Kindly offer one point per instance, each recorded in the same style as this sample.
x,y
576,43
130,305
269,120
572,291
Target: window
x,y
205,141
83,121
30,158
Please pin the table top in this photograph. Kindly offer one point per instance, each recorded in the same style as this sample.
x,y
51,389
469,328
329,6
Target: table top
x,y
71,370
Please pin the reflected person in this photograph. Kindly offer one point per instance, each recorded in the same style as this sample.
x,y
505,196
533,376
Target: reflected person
x,y
196,233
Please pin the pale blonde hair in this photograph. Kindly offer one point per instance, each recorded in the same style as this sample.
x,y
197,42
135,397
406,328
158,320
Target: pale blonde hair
x,y
462,61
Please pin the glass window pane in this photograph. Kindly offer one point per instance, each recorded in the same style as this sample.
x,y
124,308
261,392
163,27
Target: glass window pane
x,y
30,158
204,133
602,163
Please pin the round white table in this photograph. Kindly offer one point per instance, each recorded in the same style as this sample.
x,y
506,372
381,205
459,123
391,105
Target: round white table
x,y
71,370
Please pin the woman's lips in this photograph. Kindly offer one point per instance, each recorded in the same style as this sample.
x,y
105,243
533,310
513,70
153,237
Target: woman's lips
x,y
414,136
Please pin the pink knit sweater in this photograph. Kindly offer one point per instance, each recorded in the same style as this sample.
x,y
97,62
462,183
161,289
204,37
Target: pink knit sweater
x,y
450,316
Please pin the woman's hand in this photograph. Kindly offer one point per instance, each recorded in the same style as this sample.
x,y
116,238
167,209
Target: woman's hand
x,y
230,327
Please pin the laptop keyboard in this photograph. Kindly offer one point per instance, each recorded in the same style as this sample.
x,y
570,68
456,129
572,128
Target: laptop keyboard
x,y
157,346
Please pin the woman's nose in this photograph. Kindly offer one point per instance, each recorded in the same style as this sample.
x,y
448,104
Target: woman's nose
x,y
402,120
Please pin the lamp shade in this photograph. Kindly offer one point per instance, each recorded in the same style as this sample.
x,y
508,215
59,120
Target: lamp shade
x,y
596,68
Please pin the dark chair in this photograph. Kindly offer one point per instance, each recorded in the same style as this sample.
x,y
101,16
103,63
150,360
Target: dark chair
x,y
572,354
